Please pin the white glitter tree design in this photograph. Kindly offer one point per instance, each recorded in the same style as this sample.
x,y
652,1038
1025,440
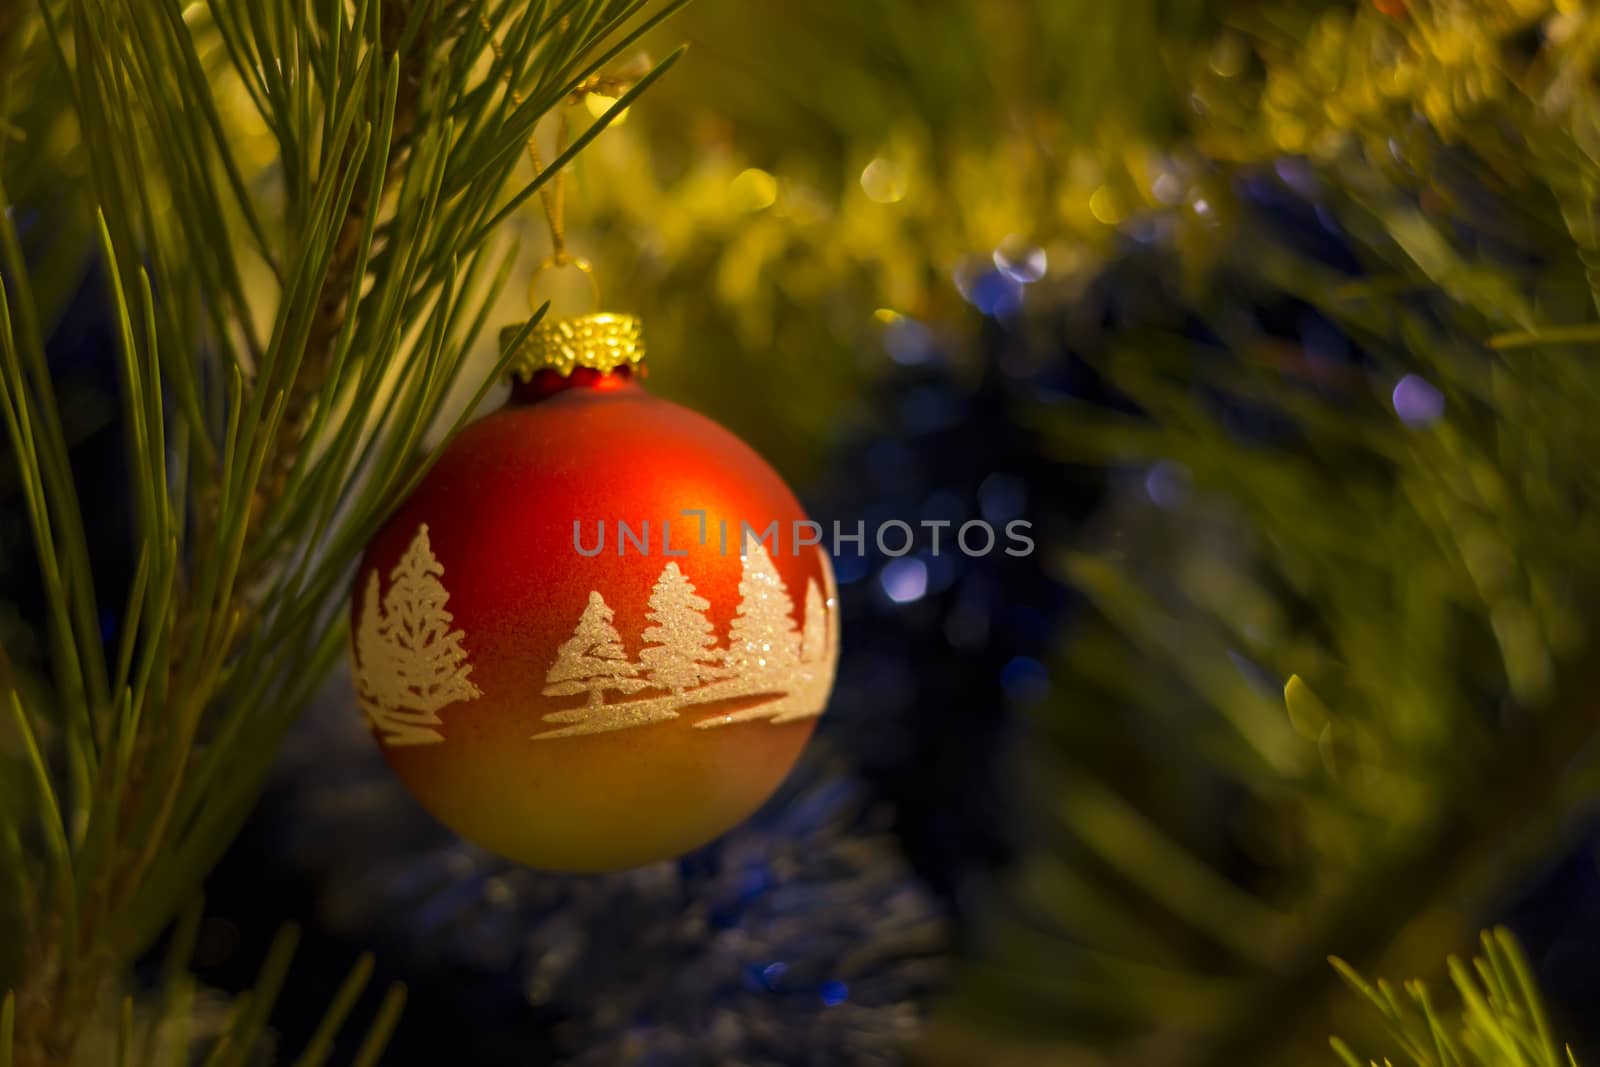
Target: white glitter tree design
x,y
768,655
593,660
680,650
814,635
409,662
778,672
762,642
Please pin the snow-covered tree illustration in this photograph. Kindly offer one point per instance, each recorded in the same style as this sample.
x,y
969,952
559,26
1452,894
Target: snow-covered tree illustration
x,y
767,651
814,635
763,643
680,650
410,663
768,657
374,662
592,660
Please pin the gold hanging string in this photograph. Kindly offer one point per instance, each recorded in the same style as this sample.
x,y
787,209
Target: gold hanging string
x,y
552,195
596,341
553,198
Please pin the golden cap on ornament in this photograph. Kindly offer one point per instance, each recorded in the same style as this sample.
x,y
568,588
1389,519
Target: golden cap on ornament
x,y
603,342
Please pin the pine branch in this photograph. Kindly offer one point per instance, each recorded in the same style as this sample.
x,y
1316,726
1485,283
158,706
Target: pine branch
x,y
286,449
1502,1021
411,45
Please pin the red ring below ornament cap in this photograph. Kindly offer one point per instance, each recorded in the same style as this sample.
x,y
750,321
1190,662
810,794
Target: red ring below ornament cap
x,y
548,382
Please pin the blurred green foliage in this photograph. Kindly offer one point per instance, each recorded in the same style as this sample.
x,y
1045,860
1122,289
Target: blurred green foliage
x,y
820,163
1419,572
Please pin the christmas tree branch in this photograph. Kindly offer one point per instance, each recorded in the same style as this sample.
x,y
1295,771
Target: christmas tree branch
x,y
251,498
353,238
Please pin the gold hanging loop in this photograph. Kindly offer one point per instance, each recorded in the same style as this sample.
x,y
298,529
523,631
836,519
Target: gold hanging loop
x,y
563,261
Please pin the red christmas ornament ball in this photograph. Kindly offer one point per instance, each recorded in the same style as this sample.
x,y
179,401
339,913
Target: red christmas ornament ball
x,y
582,709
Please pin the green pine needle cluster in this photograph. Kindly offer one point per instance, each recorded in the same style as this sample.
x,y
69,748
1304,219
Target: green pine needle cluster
x,y
285,337
168,1027
1501,1021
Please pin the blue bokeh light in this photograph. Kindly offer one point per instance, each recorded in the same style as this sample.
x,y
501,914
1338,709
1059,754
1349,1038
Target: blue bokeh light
x,y
1025,680
1416,401
1168,484
905,580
